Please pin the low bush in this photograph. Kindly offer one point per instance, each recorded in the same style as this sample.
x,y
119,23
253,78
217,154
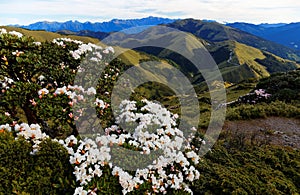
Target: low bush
x,y
253,170
46,172
262,110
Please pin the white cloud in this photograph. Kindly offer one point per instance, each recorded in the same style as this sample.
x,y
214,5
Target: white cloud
x,y
19,11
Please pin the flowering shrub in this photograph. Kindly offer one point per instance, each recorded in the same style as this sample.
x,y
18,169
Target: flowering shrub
x,y
31,163
39,106
35,75
171,169
283,86
257,96
262,110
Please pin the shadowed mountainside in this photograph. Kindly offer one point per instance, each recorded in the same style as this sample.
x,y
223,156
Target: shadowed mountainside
x,y
285,34
213,31
237,61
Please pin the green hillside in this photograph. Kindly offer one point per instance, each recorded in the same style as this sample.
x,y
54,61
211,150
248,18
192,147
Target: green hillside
x,y
216,32
236,61
130,57
40,35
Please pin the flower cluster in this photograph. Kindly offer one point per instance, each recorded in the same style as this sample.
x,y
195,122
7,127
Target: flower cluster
x,y
75,94
172,168
255,97
32,133
6,82
262,93
84,48
17,53
3,31
13,33
259,95
62,41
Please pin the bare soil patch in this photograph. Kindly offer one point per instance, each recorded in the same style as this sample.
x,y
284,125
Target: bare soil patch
x,y
273,130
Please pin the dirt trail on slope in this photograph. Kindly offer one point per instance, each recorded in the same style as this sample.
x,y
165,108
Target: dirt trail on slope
x,y
274,130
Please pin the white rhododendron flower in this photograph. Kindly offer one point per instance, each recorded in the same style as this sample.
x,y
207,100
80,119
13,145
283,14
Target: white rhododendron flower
x,y
3,31
43,91
37,43
80,191
5,127
14,33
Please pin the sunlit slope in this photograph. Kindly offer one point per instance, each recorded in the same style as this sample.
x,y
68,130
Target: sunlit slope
x,y
130,57
239,61
216,32
41,36
235,60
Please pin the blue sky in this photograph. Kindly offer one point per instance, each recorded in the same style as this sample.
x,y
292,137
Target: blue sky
x,y
255,11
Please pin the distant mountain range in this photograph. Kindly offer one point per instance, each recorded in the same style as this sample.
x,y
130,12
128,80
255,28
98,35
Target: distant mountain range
x,y
281,33
285,34
111,26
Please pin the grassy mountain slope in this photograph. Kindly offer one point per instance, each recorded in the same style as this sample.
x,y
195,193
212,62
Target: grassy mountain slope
x,y
247,62
216,32
130,57
236,61
40,35
86,33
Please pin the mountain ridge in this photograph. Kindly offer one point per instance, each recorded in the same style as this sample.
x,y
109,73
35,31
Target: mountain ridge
x,y
215,32
285,34
110,26
236,61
